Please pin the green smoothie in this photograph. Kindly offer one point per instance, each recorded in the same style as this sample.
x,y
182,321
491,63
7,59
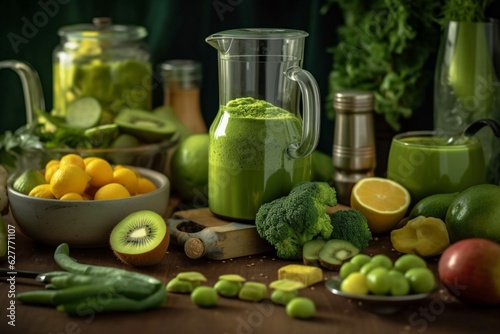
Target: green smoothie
x,y
425,165
248,163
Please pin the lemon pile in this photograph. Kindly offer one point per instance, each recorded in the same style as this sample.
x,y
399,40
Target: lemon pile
x,y
73,177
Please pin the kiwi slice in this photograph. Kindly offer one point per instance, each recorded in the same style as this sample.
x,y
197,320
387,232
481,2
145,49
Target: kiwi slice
x,y
310,252
335,252
145,125
140,239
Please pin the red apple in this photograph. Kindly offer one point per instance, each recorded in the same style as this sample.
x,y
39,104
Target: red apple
x,y
470,269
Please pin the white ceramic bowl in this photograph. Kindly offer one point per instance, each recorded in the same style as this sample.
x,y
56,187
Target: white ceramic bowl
x,y
83,224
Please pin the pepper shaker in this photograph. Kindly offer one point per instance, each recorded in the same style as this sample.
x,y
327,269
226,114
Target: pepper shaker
x,y
354,141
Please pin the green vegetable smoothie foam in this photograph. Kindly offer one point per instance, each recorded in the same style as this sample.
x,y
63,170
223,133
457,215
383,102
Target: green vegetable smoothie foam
x,y
248,163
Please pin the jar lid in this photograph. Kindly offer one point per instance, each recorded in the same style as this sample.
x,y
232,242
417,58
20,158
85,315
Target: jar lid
x,y
185,72
353,100
103,29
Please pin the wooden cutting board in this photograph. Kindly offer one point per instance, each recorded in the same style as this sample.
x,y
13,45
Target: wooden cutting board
x,y
202,234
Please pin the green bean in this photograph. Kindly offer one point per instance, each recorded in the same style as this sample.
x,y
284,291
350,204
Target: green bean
x,y
41,297
62,258
117,303
130,288
56,297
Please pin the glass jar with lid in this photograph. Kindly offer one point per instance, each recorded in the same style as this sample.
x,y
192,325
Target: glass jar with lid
x,y
104,63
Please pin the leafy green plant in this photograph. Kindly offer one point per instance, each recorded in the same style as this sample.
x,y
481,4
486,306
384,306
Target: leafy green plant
x,y
464,10
384,47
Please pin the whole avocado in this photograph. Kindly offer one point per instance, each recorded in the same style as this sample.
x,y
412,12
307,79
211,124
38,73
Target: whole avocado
x,y
475,213
433,206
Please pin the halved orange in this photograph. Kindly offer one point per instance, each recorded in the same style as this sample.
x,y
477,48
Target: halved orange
x,y
382,201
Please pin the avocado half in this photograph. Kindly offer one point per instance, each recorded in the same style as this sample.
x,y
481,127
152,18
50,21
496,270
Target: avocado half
x,y
144,125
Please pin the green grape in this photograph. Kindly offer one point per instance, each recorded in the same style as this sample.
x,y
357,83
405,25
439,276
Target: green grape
x,y
360,259
382,261
347,269
399,284
421,280
408,261
365,269
378,280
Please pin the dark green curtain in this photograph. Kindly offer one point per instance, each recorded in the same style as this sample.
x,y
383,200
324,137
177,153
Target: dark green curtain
x,y
177,29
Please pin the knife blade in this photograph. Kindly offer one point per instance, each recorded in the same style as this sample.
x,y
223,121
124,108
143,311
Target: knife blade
x,y
4,272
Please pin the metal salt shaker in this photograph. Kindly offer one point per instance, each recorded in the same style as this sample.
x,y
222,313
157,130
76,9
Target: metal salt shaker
x,y
354,141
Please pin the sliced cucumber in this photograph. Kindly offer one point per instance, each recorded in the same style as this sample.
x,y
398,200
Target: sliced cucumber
x,y
84,113
102,135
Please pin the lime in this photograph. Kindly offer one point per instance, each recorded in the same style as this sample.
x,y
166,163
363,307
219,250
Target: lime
x,y
474,214
28,180
189,166
321,166
84,113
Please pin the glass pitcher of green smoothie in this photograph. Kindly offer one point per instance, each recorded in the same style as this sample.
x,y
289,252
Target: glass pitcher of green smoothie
x,y
262,136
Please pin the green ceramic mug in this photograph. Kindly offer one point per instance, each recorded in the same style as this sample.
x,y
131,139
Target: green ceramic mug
x,y
425,164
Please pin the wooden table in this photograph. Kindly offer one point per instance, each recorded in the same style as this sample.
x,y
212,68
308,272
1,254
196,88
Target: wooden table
x,y
439,314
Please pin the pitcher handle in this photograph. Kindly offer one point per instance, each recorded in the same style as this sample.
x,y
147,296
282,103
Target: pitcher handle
x,y
310,115
32,88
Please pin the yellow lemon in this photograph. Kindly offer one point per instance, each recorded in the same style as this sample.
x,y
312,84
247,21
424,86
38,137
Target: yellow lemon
x,y
87,160
68,179
382,201
100,172
111,191
42,191
128,178
72,159
145,186
71,197
52,162
49,171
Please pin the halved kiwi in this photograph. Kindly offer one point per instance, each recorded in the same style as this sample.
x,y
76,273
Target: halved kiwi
x,y
335,252
140,239
310,252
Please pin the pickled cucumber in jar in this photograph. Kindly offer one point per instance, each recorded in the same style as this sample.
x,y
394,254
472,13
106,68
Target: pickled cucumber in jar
x,y
105,62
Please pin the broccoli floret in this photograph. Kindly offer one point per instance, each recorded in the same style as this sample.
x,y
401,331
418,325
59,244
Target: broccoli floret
x,y
352,226
289,222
